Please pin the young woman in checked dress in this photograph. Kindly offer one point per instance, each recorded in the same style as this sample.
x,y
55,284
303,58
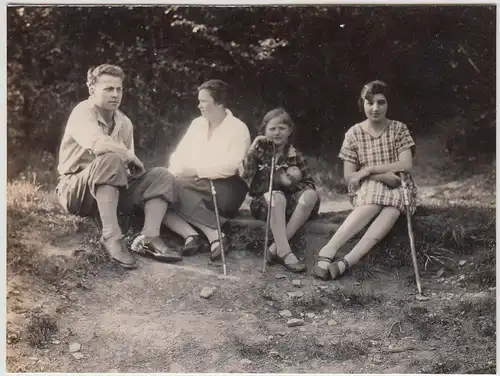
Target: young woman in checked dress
x,y
373,152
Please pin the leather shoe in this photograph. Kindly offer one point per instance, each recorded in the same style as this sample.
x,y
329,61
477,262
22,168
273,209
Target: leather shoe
x,y
158,250
119,252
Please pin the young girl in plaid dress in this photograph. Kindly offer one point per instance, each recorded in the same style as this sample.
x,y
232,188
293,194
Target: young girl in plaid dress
x,y
294,193
373,152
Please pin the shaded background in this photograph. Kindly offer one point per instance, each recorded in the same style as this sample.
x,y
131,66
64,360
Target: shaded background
x,y
439,61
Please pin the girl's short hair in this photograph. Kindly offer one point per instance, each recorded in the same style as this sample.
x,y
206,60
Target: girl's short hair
x,y
370,89
218,89
94,73
277,112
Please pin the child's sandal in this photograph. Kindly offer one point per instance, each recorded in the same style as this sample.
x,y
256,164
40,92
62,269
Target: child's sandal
x,y
320,272
334,268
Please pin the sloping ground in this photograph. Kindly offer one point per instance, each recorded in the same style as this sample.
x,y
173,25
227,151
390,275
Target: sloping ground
x,y
102,319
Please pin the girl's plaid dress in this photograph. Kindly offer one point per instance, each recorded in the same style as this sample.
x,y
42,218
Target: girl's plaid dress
x,y
257,171
365,150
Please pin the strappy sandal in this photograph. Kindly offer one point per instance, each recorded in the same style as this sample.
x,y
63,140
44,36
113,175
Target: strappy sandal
x,y
320,272
296,267
334,268
194,246
217,251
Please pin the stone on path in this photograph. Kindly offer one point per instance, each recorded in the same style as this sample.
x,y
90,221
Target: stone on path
x,y
207,292
285,313
296,294
245,362
280,276
297,283
74,347
78,355
332,322
295,322
311,315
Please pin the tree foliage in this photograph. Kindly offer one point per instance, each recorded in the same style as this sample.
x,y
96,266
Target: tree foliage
x,y
439,60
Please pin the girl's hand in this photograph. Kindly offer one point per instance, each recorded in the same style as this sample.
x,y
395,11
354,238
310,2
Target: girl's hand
x,y
257,143
282,178
391,179
294,174
356,179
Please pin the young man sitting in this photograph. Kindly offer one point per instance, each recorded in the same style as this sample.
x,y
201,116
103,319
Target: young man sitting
x,y
100,171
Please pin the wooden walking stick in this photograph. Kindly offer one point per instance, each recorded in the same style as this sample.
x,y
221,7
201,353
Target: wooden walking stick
x,y
268,219
406,198
219,231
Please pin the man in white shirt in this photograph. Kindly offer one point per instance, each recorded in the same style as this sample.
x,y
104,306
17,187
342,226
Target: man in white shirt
x,y
99,171
213,148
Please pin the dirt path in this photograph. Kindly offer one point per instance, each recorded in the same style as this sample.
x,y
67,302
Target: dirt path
x,y
153,319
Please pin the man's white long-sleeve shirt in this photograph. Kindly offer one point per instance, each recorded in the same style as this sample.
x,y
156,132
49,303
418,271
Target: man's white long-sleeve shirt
x,y
220,156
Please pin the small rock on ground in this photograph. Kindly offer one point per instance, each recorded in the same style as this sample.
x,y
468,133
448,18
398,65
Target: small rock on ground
x,y
332,322
78,355
297,283
295,322
311,315
245,361
296,294
280,276
207,292
74,347
285,313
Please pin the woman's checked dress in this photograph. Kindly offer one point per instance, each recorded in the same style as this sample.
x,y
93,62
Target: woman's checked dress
x,y
364,150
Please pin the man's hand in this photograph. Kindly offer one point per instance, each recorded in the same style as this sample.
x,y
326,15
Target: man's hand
x,y
136,166
188,172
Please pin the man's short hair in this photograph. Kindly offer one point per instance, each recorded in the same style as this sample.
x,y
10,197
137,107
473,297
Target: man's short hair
x,y
218,89
94,73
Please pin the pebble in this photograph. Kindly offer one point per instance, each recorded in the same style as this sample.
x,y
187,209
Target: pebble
x,y
280,276
462,262
296,294
207,292
74,347
281,334
297,283
245,362
270,338
274,353
56,342
311,315
332,322
285,313
295,322
78,355
320,343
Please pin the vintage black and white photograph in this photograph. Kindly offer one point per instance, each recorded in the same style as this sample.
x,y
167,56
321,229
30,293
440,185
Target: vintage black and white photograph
x,y
251,188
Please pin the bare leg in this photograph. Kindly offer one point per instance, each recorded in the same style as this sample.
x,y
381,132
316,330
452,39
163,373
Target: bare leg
x,y
300,215
376,232
354,223
178,225
211,233
278,227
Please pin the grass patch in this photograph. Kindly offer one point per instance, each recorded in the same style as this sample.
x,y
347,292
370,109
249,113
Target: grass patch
x,y
301,350
352,298
34,220
247,349
40,328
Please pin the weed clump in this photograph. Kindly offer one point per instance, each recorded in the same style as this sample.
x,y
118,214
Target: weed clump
x,y
40,328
